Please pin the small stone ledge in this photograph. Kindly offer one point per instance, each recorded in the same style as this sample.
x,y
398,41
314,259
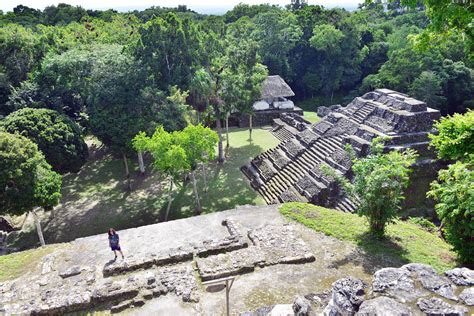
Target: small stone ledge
x,y
271,245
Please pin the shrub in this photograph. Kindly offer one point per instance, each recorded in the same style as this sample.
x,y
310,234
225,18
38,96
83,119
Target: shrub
x,y
454,192
378,184
455,139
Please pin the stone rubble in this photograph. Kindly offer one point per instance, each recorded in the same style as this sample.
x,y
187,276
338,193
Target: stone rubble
x,y
461,276
383,305
467,296
413,289
347,295
436,306
301,306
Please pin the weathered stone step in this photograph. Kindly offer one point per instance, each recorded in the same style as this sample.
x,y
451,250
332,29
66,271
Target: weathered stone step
x,y
321,154
297,169
331,143
289,173
279,184
346,205
311,160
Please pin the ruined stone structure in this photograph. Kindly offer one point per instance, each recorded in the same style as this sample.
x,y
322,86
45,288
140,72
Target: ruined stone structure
x,y
273,259
292,170
413,289
288,125
63,285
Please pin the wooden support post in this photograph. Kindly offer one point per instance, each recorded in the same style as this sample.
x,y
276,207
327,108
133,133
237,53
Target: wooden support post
x,y
229,281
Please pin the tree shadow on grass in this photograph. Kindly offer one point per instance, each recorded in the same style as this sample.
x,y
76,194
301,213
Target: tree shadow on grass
x,y
94,199
374,253
227,185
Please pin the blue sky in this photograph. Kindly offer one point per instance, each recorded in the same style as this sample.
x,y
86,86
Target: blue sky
x,y
207,6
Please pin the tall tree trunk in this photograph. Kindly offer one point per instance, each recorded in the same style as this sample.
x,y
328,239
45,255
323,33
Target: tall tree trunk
x,y
204,176
169,199
227,130
196,194
220,157
140,163
198,116
127,171
38,228
250,126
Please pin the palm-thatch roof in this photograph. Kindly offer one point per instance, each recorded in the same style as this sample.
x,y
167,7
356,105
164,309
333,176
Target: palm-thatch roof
x,y
276,87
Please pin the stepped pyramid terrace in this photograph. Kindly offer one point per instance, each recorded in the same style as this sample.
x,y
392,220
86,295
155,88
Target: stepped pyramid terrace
x,y
292,171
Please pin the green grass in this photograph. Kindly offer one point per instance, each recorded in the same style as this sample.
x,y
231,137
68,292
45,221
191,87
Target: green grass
x,y
405,241
312,117
19,263
95,198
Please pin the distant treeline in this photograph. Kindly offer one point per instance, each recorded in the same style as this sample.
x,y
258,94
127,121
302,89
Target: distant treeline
x,y
49,58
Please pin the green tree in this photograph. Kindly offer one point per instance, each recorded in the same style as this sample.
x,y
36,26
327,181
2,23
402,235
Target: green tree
x,y
20,52
65,80
458,86
328,39
339,57
170,48
26,95
276,32
140,143
117,112
454,194
26,179
58,137
378,184
205,87
199,144
427,87
455,137
242,82
169,158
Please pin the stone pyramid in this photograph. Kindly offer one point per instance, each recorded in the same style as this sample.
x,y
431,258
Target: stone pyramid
x,y
292,170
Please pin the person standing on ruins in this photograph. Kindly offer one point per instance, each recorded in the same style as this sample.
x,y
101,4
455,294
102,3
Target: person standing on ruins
x,y
114,243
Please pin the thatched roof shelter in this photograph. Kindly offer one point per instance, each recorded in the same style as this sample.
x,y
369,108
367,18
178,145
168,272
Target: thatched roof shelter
x,y
276,87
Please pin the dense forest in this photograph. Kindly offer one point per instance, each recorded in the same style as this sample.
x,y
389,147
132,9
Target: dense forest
x,y
90,64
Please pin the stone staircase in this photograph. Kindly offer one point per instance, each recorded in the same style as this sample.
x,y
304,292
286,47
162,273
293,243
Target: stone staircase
x,y
282,133
293,171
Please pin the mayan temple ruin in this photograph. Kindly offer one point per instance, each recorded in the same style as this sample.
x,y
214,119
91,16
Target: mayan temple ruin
x,y
292,171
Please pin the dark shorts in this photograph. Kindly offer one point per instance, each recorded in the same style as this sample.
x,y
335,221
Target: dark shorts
x,y
115,247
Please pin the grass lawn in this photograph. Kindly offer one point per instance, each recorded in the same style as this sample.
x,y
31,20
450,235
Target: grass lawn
x,y
405,242
311,116
20,263
95,198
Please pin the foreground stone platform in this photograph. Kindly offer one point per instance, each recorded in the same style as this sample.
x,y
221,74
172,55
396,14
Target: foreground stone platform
x,y
272,259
